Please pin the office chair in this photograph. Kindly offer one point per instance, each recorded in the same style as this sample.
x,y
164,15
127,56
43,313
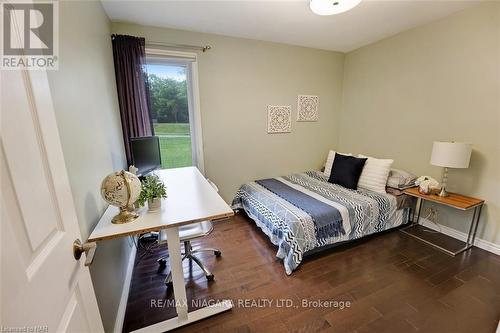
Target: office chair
x,y
186,234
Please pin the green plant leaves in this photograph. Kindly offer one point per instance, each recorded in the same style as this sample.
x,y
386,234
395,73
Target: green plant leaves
x,y
151,187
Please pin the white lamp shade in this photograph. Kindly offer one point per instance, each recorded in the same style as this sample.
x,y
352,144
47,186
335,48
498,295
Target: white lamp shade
x,y
451,154
332,7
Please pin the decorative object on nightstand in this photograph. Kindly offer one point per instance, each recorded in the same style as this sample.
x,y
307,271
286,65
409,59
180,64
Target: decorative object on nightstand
x,y
426,184
450,155
454,200
122,189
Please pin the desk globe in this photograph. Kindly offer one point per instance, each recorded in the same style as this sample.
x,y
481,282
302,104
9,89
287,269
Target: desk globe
x,y
121,189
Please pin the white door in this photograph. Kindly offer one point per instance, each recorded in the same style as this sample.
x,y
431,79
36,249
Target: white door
x,y
43,288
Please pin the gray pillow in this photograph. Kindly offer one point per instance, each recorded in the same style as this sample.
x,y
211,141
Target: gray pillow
x,y
400,179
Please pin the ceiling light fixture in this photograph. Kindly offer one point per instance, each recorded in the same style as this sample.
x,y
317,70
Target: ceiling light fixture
x,y
332,7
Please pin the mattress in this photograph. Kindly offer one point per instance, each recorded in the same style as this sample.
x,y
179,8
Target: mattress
x,y
303,213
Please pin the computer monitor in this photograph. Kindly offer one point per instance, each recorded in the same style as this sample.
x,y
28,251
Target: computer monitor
x,y
146,154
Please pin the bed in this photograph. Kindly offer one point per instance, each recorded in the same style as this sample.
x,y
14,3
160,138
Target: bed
x,y
303,213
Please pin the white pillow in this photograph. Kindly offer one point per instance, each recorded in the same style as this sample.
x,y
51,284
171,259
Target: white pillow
x,y
329,162
375,174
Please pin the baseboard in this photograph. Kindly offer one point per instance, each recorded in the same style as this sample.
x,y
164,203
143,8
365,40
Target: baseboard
x,y
122,307
480,243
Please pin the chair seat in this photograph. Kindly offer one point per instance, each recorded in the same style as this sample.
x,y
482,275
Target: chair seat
x,y
189,231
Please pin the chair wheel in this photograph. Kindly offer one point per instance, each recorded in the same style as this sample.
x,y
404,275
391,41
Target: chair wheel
x,y
210,277
217,253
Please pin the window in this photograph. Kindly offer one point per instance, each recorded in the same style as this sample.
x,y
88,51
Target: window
x,y
172,103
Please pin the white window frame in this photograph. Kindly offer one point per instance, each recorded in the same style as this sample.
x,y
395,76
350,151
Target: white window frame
x,y
191,61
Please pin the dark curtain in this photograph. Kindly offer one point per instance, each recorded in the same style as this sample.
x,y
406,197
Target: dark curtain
x,y
131,83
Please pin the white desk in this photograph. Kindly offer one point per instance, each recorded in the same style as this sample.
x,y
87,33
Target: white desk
x,y
190,199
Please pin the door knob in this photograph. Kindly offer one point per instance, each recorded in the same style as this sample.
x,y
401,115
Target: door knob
x,y
88,248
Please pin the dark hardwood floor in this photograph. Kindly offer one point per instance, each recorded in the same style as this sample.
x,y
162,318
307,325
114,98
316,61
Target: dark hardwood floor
x,y
394,283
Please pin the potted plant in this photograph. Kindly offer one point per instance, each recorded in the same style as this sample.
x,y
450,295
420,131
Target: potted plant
x,y
152,191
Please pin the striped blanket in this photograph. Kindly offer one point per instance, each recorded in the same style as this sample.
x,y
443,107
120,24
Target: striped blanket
x,y
304,212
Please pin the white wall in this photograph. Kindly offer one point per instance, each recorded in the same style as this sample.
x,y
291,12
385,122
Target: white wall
x,y
84,94
238,79
440,81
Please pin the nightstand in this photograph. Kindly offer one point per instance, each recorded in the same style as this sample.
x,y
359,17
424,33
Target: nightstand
x,y
454,200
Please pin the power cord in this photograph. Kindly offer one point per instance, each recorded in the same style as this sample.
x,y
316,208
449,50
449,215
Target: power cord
x,y
143,249
431,217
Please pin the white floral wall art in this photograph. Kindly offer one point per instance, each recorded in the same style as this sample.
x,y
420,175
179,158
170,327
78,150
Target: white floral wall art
x,y
279,119
307,108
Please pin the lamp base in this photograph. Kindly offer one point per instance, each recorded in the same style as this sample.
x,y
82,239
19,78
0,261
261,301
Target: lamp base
x,y
443,192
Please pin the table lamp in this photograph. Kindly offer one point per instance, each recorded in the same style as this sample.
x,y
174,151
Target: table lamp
x,y
450,155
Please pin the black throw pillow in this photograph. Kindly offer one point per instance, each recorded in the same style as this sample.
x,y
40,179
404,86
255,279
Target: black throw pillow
x,y
346,170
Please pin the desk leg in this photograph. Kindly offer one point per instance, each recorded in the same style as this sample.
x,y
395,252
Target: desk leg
x,y
471,228
471,236
181,303
420,204
174,252
411,218
477,223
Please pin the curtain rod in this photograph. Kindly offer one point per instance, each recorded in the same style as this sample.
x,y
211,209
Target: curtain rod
x,y
180,46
